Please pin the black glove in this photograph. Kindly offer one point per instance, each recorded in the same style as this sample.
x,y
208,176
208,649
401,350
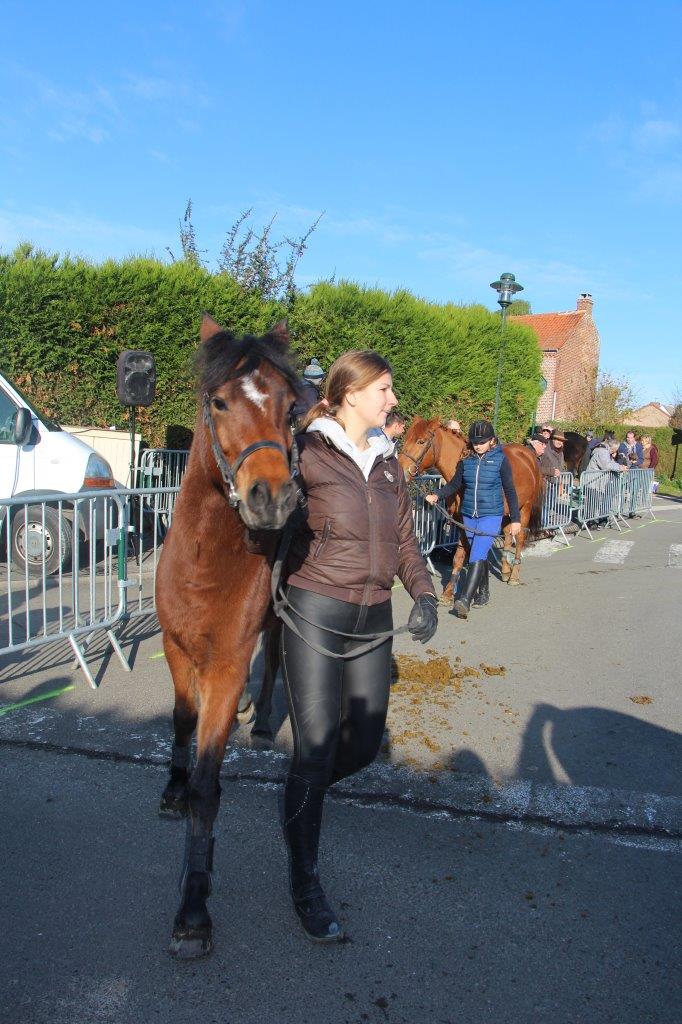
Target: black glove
x,y
423,620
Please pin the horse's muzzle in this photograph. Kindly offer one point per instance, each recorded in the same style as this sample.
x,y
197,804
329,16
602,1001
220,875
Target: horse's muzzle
x,y
262,511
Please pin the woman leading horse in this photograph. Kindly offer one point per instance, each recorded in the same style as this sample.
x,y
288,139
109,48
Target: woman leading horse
x,y
428,445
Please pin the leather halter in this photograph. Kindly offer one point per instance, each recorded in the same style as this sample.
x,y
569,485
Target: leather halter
x,y
417,462
229,472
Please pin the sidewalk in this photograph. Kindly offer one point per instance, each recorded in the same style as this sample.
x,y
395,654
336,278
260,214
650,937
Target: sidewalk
x,y
556,710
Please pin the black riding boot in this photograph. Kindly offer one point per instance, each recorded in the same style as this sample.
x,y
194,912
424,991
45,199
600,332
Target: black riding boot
x,y
473,578
483,593
302,821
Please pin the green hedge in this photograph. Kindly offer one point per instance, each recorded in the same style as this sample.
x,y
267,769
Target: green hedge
x,y
63,322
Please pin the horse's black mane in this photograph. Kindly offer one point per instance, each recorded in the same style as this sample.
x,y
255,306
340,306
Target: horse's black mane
x,y
226,356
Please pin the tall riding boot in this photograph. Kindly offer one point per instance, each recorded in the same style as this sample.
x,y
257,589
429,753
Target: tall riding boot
x,y
302,821
483,592
473,578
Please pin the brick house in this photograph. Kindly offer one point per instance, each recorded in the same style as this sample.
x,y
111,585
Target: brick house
x,y
653,414
570,358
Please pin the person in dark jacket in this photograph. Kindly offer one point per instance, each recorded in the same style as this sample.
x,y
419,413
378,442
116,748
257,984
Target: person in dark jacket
x,y
630,452
356,536
484,477
309,389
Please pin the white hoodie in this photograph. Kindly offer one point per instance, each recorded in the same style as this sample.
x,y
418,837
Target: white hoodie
x,y
379,444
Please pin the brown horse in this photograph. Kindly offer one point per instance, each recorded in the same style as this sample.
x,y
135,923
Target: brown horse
x,y
213,579
575,448
428,445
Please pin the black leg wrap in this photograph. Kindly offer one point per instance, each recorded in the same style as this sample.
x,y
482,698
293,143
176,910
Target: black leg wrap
x,y
181,757
198,857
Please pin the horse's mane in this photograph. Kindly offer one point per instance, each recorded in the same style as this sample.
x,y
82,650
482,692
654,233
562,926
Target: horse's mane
x,y
225,356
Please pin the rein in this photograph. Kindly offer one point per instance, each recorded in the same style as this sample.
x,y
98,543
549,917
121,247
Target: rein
x,y
229,472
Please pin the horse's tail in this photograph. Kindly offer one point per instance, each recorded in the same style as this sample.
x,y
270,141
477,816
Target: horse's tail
x,y
535,522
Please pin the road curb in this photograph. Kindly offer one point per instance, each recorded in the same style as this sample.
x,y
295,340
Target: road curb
x,y
570,807
459,795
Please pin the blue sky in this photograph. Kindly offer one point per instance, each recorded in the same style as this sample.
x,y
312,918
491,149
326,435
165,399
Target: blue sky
x,y
446,143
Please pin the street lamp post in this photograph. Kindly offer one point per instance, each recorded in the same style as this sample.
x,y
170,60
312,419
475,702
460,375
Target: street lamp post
x,y
506,288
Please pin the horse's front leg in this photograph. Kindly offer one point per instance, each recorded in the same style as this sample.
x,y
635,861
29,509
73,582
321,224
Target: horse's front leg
x,y
219,689
262,730
515,576
175,797
460,557
507,555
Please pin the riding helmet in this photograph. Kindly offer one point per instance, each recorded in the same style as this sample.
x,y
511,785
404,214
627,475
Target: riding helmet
x,y
480,431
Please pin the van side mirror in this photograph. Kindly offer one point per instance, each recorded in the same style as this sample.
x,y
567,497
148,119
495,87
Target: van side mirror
x,y
22,427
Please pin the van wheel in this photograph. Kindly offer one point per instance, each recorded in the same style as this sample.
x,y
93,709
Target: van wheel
x,y
31,532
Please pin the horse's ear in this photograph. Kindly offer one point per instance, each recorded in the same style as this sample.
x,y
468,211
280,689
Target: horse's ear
x,y
280,332
208,328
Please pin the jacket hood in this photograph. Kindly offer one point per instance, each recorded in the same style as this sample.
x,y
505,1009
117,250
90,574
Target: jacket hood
x,y
334,432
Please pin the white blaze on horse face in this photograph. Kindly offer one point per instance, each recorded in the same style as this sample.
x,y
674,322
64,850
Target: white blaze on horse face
x,y
258,398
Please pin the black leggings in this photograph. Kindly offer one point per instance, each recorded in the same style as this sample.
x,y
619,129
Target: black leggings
x,y
337,707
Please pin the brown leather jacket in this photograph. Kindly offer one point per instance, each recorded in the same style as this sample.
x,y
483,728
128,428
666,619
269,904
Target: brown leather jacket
x,y
357,534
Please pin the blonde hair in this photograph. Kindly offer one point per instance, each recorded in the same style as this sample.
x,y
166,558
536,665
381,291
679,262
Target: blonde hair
x,y
352,371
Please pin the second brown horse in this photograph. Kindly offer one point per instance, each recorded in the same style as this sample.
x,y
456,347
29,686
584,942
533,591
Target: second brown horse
x,y
429,445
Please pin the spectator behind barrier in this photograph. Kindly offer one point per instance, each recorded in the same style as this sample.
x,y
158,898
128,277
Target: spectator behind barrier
x,y
602,458
650,460
630,452
553,457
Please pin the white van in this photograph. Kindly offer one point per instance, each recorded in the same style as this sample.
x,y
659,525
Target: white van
x,y
38,457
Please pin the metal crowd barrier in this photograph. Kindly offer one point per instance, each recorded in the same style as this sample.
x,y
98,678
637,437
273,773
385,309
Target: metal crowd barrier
x,y
611,496
636,492
78,566
55,585
599,499
161,467
431,526
557,504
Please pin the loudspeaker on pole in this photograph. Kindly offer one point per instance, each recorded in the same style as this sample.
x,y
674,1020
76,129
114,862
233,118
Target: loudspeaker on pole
x,y
135,378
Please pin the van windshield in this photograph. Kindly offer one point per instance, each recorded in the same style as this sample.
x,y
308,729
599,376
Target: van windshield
x,y
50,424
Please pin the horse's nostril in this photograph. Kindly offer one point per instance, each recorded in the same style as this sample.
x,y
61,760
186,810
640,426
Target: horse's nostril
x,y
287,494
259,496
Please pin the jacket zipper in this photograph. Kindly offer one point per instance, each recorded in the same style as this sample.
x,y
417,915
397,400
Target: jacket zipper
x,y
377,461
326,531
478,470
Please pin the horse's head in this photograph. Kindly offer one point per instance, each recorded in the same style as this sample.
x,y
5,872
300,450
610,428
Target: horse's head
x,y
247,388
430,445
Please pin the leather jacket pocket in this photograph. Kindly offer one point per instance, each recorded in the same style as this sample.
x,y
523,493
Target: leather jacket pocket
x,y
324,537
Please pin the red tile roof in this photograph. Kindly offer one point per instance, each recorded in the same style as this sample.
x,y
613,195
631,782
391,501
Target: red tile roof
x,y
553,329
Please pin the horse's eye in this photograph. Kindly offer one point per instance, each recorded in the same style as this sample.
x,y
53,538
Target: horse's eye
x,y
219,404
421,440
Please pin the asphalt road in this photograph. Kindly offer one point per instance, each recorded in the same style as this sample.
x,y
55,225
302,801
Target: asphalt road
x,y
449,920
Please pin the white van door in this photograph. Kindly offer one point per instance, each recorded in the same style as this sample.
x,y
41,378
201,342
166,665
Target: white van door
x,y
17,465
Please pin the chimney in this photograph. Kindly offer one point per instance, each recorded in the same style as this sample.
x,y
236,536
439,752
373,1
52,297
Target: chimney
x,y
585,302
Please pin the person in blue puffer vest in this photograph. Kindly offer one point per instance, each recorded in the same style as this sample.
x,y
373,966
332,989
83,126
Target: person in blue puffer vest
x,y
485,479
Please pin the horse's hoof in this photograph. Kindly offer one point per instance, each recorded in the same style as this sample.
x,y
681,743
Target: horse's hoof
x,y
246,714
514,583
445,599
174,807
190,944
